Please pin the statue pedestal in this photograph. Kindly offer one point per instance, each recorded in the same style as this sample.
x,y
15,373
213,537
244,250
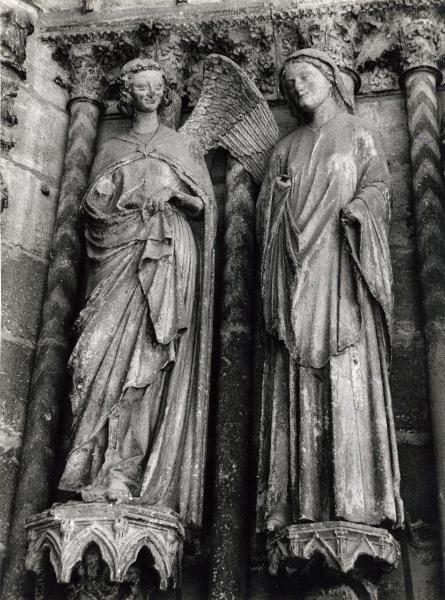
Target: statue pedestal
x,y
350,558
119,531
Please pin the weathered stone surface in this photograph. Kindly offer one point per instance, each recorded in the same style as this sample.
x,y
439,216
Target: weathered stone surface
x,y
23,278
388,114
40,141
411,410
393,585
425,573
17,361
41,77
402,233
28,222
9,465
407,309
418,483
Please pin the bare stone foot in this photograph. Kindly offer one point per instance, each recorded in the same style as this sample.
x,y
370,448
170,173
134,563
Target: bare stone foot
x,y
276,521
118,492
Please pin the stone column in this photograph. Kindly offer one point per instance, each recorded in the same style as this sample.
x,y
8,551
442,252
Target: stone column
x,y
419,41
48,385
229,553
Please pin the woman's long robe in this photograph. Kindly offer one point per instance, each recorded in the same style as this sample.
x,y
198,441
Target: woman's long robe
x,y
141,363
327,439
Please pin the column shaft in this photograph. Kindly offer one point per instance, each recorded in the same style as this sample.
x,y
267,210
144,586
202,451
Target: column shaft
x,y
421,103
229,561
49,380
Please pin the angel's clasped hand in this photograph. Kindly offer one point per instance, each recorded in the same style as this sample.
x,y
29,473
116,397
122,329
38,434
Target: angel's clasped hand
x,y
160,201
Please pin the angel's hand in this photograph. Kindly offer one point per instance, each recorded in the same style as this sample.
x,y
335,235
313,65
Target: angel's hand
x,y
159,202
191,205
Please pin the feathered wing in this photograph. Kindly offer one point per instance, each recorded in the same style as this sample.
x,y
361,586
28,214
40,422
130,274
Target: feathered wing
x,y
231,113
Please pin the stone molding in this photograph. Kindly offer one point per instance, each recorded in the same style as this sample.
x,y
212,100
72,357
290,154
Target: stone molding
x,y
340,543
363,38
119,530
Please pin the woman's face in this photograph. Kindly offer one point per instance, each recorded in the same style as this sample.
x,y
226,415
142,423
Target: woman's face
x,y
306,86
147,90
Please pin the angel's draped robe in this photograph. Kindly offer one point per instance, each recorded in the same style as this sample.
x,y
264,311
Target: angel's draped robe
x,y
327,439
138,372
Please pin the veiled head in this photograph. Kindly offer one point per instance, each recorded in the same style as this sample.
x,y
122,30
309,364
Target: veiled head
x,y
305,86
144,85
307,78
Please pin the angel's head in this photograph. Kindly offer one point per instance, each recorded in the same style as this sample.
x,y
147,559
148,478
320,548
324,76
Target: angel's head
x,y
309,78
145,86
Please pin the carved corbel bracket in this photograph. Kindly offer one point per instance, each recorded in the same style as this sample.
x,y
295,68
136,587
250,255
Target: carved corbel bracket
x,y
14,29
120,531
419,46
339,543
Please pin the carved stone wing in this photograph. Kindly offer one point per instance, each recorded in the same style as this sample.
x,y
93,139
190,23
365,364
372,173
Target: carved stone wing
x,y
231,113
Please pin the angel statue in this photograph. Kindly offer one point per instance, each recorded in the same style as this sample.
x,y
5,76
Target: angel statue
x,y
140,367
327,448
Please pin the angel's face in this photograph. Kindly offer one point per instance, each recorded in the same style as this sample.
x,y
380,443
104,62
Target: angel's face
x,y
306,86
147,90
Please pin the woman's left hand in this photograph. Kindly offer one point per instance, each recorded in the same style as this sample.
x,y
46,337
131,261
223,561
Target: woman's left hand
x,y
348,214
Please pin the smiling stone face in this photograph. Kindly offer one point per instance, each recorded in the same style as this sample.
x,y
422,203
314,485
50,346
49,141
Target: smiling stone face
x,y
147,90
305,86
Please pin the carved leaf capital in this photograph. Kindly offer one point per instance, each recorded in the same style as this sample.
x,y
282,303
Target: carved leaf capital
x,y
419,43
84,65
334,34
372,39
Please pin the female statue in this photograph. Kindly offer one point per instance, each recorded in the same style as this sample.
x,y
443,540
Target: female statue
x,y
327,449
141,362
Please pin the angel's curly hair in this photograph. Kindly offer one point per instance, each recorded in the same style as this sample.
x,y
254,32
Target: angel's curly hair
x,y
125,81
